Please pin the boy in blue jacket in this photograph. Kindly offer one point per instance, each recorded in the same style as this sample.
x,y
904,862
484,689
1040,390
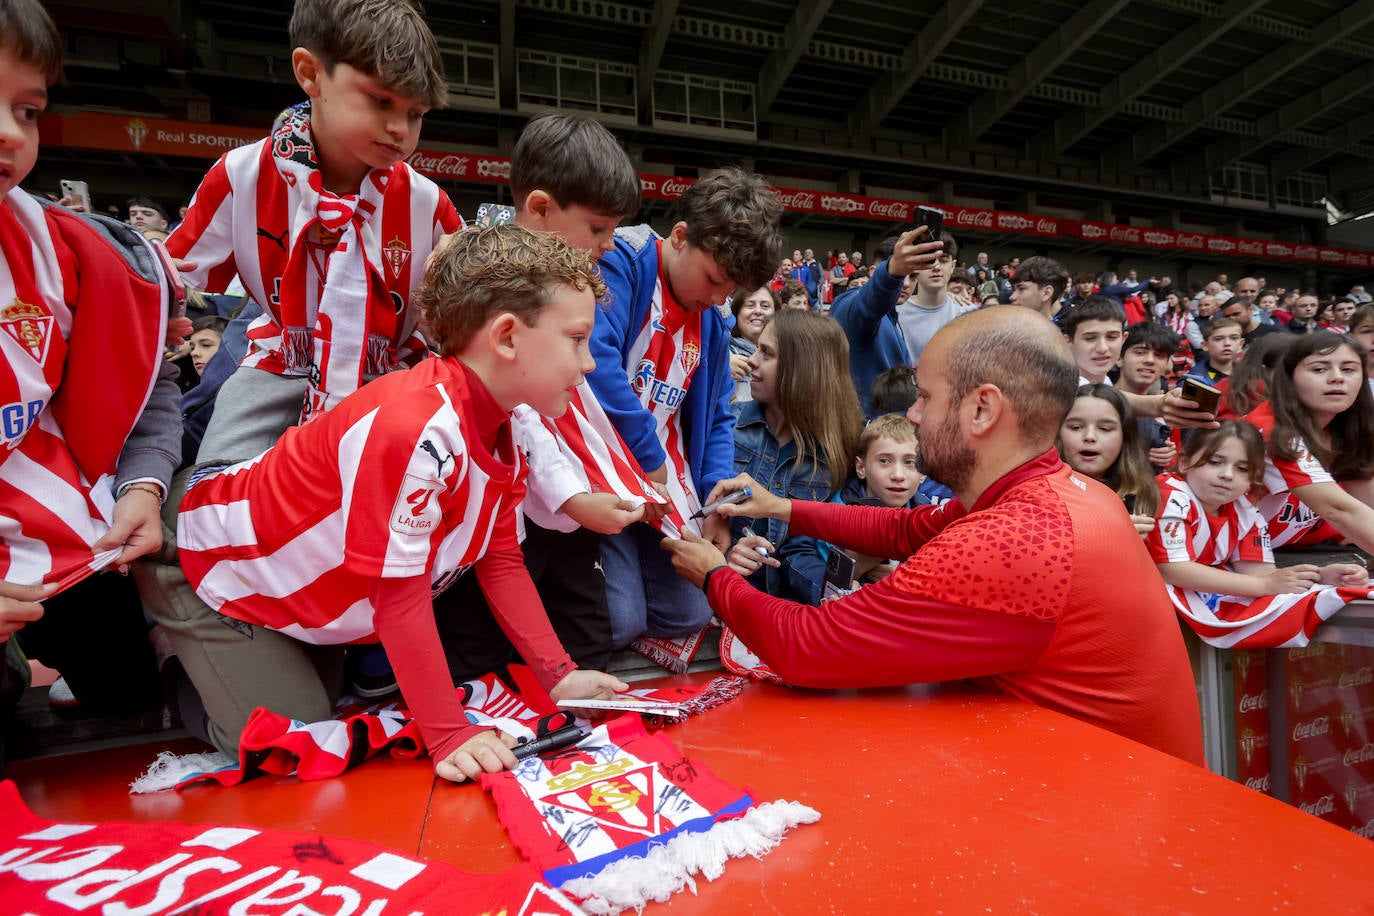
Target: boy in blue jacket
x,y
663,377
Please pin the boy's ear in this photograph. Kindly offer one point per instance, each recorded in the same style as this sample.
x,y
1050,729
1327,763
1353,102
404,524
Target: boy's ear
x,y
678,235
537,204
308,69
501,335
859,467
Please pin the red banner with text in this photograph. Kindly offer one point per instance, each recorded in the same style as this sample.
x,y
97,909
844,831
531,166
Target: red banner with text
x,y
121,133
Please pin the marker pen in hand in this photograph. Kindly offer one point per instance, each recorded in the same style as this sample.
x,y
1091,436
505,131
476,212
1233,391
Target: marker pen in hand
x,y
738,496
554,741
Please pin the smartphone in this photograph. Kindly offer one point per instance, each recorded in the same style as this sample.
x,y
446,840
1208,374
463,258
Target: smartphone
x,y
1129,500
933,219
839,574
77,192
1207,397
175,284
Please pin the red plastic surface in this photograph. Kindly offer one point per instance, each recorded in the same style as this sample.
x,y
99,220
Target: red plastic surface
x,y
952,803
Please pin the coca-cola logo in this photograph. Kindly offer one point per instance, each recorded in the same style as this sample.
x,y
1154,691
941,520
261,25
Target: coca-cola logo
x,y
675,187
1357,678
841,204
1125,234
1190,240
494,168
980,219
1013,222
1331,256
1258,783
1315,729
1322,806
1092,231
1245,247
1358,755
797,200
1153,237
1278,249
1306,252
1311,650
1047,226
889,209
1219,244
1357,259
1254,702
447,166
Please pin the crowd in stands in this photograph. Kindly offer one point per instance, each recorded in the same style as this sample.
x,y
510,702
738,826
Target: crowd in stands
x,y
464,458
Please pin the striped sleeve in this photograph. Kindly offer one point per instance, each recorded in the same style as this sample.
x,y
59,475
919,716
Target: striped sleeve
x,y
206,235
1171,540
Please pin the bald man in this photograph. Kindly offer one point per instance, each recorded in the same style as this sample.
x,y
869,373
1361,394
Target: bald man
x,y
1033,578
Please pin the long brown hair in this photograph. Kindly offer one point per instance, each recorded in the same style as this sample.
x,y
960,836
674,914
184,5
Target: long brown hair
x,y
1346,447
1131,473
815,392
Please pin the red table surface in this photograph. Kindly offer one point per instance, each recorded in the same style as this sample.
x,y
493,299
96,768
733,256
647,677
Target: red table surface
x,y
930,802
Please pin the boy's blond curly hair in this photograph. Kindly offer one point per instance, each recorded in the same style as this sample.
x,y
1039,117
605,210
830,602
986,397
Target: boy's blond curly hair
x,y
480,273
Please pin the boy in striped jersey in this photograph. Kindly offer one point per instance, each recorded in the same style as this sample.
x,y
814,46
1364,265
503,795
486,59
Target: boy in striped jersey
x,y
88,407
346,527
663,377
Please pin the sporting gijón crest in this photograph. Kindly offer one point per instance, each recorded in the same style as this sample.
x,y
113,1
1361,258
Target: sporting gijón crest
x,y
397,257
30,326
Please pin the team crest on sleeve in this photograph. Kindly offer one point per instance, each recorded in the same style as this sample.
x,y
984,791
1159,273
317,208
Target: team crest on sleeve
x,y
397,257
417,506
30,326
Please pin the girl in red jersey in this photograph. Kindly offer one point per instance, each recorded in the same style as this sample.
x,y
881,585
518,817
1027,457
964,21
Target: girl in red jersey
x,y
1318,428
1100,438
1213,550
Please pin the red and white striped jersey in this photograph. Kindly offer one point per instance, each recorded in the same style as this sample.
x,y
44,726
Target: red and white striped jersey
x,y
80,347
1290,520
1186,533
393,482
245,219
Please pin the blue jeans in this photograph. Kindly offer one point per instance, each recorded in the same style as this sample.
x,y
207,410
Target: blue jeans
x,y
644,594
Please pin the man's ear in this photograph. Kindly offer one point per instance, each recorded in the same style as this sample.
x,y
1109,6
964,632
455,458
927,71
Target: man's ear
x,y
984,408
308,70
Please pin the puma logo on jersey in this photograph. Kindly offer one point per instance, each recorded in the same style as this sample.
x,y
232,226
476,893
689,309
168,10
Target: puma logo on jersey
x,y
279,239
429,447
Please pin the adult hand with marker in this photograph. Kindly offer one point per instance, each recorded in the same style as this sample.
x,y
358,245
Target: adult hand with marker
x,y
758,504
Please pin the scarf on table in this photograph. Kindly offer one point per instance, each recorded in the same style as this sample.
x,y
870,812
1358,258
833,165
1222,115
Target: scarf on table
x,y
331,333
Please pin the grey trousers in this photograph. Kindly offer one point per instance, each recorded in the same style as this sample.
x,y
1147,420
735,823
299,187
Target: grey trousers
x,y
237,667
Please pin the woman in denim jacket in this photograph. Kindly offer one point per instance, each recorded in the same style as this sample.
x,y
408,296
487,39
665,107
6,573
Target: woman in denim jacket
x,y
796,437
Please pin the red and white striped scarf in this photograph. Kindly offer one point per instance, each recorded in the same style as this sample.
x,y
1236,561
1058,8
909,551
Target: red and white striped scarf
x,y
81,335
326,336
661,361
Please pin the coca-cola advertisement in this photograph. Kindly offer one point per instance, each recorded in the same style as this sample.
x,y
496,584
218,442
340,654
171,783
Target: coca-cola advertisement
x,y
1330,703
1249,677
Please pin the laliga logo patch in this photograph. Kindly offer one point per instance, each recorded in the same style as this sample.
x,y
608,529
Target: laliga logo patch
x,y
416,508
397,257
29,325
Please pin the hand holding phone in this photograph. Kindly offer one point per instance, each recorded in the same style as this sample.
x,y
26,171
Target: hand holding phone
x,y
839,574
76,195
1207,398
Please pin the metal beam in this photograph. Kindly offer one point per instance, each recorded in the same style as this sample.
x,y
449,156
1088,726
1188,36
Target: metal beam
x,y
1291,116
1032,69
796,35
507,83
1140,76
1290,162
651,54
934,37
1144,145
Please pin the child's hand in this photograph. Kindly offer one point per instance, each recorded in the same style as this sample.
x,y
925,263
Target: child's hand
x,y
488,752
1144,524
1291,580
1349,575
605,513
586,684
739,367
1177,411
1161,456
745,558
137,526
19,605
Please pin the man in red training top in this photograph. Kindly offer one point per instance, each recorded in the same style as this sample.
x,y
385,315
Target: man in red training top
x,y
1033,578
